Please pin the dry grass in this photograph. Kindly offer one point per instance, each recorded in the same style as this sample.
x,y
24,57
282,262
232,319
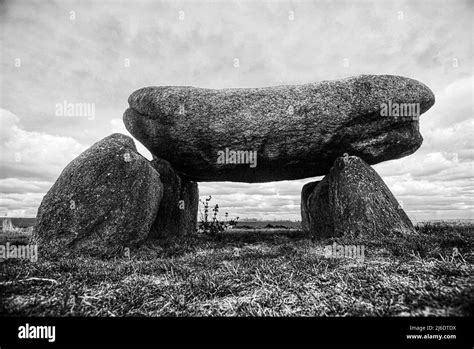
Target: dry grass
x,y
257,273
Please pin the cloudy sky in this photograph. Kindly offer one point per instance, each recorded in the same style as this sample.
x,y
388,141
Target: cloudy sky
x,y
99,52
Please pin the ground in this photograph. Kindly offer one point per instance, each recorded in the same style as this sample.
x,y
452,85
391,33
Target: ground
x,y
259,272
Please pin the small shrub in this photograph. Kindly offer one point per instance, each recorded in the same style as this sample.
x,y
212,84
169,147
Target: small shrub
x,y
212,225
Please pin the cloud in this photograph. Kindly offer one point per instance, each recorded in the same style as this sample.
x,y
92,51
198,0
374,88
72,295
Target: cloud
x,y
21,186
29,164
453,104
83,60
32,155
20,204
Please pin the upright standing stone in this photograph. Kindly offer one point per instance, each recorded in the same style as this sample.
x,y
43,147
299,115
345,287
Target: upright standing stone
x,y
104,200
352,198
188,213
305,193
177,214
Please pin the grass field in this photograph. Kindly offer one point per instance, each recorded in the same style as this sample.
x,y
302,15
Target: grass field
x,y
253,273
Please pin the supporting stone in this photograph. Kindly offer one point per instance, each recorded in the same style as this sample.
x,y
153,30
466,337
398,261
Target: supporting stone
x,y
177,214
105,200
351,199
305,193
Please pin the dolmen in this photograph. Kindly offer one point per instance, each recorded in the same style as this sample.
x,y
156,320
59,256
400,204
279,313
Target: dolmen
x,y
335,129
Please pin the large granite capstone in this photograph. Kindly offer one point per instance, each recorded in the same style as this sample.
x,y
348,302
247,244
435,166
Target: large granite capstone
x,y
287,132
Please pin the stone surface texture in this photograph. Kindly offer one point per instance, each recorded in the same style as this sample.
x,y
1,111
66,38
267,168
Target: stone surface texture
x,y
177,214
297,131
352,199
106,199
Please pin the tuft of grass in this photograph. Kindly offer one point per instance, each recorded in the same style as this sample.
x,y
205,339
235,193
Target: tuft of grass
x,y
254,273
18,236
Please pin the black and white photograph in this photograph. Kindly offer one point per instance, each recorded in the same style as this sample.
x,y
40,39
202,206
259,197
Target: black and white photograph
x,y
169,164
